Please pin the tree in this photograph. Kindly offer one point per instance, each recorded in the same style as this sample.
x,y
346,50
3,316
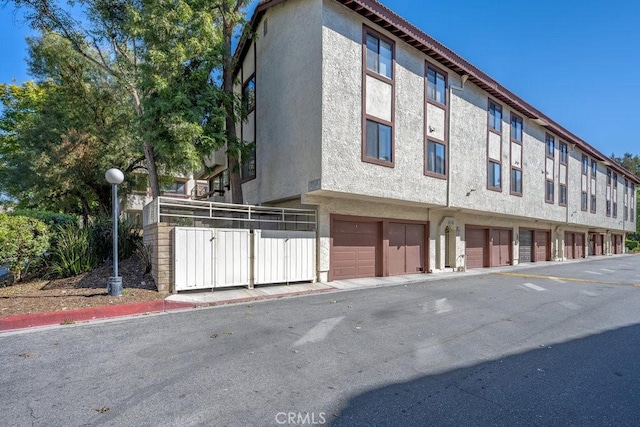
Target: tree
x,y
628,161
231,17
162,53
22,240
59,135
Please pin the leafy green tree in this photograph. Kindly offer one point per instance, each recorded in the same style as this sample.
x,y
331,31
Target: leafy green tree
x,y
162,54
22,240
231,19
58,136
628,161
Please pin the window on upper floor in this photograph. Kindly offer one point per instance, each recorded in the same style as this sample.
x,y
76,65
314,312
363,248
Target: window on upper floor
x,y
516,129
585,164
564,153
378,92
593,203
495,117
249,94
173,186
615,180
625,207
436,160
609,177
379,55
248,164
584,201
379,141
550,146
615,209
594,168
562,196
549,192
516,182
494,181
608,207
220,183
632,204
436,85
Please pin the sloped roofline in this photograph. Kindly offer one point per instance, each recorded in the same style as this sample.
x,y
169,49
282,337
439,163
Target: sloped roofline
x,y
384,17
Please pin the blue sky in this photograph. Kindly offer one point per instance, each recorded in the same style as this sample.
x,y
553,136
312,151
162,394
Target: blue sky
x,y
575,60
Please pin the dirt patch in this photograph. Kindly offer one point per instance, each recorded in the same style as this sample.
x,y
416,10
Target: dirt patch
x,y
85,290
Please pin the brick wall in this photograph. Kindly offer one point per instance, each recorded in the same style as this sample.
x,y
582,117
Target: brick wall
x,y
159,236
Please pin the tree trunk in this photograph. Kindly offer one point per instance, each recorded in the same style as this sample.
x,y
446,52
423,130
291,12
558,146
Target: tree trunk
x,y
149,152
227,85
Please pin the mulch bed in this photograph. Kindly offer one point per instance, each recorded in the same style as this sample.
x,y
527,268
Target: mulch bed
x,y
82,291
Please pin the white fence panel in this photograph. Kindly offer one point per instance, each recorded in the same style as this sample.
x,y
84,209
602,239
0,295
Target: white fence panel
x,y
232,258
284,256
207,258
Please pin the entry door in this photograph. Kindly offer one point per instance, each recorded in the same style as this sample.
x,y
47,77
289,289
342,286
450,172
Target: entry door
x,y
592,244
406,248
526,244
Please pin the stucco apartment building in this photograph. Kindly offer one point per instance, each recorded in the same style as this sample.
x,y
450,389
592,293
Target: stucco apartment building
x,y
415,160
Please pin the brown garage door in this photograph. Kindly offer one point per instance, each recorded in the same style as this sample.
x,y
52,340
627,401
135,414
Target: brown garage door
x,y
579,246
476,247
355,251
617,244
542,246
500,247
599,244
525,240
568,246
406,248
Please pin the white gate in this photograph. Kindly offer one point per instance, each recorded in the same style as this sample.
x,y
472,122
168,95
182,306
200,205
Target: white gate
x,y
284,256
206,258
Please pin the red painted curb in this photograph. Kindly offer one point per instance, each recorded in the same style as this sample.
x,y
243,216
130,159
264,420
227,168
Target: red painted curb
x,y
91,313
110,311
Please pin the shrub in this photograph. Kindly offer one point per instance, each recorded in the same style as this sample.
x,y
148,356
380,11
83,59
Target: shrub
x,y
52,219
22,240
632,245
145,255
102,235
74,252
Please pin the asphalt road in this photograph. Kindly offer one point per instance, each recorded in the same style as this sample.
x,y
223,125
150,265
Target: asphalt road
x,y
552,345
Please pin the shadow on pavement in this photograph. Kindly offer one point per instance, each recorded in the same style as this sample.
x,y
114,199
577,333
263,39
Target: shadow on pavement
x,y
587,382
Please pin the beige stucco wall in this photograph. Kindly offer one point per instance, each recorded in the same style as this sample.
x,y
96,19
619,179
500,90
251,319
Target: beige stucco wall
x,y
309,113
342,166
288,101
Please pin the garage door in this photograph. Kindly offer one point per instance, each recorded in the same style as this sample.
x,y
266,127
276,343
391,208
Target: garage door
x,y
525,240
542,246
406,248
476,247
356,249
568,246
599,244
579,246
617,244
500,247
